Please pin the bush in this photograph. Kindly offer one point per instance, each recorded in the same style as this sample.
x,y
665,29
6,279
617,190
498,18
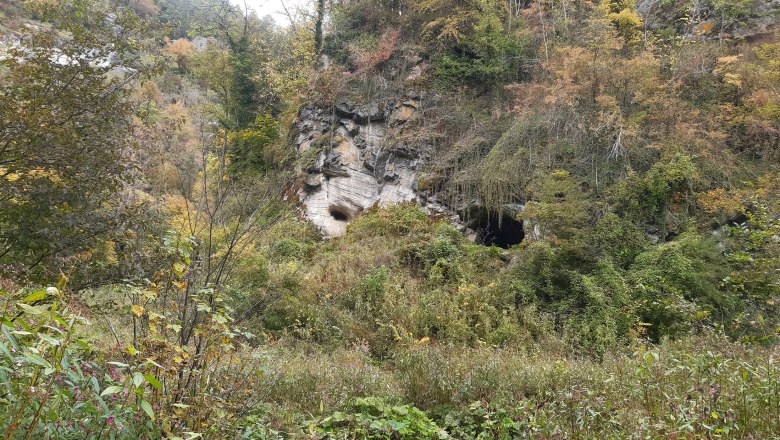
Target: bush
x,y
370,293
290,249
373,418
473,43
617,239
395,220
677,284
663,198
56,386
483,421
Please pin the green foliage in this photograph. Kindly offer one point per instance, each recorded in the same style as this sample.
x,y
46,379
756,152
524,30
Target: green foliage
x,y
603,315
439,257
287,249
56,386
663,197
482,421
676,284
731,11
476,47
373,418
370,292
247,147
357,25
755,271
395,220
756,256
617,239
64,125
558,206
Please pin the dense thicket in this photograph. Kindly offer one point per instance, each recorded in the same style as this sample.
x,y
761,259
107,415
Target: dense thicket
x,y
148,177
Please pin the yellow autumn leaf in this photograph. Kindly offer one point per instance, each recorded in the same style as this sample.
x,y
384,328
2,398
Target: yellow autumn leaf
x,y
707,27
137,310
733,79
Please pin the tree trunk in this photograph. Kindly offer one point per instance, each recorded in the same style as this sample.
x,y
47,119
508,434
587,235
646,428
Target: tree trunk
x,y
318,25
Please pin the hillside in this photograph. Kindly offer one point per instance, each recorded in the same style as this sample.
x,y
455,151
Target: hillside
x,y
428,219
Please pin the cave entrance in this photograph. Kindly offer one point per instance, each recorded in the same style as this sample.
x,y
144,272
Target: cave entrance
x,y
339,213
496,229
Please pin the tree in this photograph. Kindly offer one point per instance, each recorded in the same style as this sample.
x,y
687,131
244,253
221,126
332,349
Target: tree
x,y
623,15
472,40
663,198
318,25
247,146
64,125
558,205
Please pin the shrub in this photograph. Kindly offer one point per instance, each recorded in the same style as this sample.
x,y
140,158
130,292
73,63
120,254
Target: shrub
x,y
677,284
290,249
56,386
370,292
373,418
483,421
395,220
472,42
664,197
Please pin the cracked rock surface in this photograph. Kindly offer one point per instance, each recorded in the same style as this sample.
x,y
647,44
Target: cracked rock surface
x,y
357,165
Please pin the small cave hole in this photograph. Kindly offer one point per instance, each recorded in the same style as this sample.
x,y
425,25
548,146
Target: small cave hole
x,y
494,229
339,213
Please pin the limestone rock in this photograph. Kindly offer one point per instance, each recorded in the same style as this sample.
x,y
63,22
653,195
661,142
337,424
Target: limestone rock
x,y
358,167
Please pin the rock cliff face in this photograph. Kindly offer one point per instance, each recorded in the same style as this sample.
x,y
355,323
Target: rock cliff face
x,y
760,19
367,155
356,159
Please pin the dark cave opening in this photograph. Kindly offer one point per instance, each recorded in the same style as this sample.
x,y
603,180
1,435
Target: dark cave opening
x,y
496,229
339,213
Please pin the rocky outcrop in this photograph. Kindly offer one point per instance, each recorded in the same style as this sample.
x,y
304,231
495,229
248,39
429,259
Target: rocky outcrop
x,y
759,19
358,161
366,155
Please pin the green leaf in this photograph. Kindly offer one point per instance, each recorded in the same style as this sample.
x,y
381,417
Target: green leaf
x,y
138,379
35,359
397,426
111,390
103,405
151,361
178,269
147,409
5,350
153,381
29,309
36,296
